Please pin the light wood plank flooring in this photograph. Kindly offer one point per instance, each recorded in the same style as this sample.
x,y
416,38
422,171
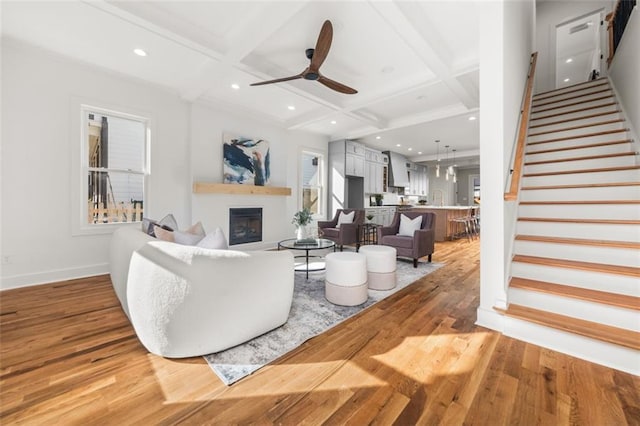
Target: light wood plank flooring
x,y
70,356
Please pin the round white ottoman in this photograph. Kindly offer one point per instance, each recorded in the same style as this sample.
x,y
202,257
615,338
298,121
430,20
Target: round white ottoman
x,y
381,266
346,278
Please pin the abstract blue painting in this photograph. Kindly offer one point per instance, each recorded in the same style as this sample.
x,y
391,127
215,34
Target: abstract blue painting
x,y
246,161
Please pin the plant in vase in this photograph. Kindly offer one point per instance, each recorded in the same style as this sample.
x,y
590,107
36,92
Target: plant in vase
x,y
369,217
301,219
378,199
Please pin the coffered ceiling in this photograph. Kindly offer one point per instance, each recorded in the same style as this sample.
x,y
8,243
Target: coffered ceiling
x,y
414,64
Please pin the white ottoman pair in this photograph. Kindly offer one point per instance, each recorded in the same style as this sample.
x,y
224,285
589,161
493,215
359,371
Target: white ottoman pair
x,y
381,266
349,276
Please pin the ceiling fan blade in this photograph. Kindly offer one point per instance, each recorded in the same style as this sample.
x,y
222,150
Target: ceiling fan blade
x,y
322,46
338,87
277,80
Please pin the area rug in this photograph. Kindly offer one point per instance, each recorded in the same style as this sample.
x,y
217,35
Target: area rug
x,y
311,314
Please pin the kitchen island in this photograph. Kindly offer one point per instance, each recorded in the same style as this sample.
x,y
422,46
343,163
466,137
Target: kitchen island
x,y
445,229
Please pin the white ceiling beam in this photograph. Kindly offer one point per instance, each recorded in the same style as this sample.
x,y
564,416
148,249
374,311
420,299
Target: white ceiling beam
x,y
412,24
266,18
460,155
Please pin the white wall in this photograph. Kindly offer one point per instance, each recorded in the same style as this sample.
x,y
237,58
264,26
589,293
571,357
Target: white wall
x,y
548,15
625,71
40,136
38,142
439,185
208,123
506,44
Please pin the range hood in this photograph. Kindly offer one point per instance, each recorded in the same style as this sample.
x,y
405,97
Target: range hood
x,y
398,175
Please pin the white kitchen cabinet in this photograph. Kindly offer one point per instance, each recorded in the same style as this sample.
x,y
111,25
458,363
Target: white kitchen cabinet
x,y
374,172
354,165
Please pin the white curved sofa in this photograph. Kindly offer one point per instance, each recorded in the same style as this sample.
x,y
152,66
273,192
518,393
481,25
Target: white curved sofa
x,y
186,301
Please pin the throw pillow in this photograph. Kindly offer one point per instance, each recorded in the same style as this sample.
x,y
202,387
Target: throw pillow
x,y
345,218
189,237
167,223
409,226
214,240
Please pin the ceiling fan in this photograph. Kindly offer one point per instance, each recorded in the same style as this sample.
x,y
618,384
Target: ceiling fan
x,y
317,57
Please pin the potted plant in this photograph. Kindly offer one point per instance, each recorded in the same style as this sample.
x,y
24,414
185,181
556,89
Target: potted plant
x,y
369,217
301,219
378,199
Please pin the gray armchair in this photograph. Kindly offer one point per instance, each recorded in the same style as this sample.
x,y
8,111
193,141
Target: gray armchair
x,y
422,242
347,233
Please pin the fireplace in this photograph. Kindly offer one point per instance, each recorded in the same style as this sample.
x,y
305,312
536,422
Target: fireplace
x,y
245,225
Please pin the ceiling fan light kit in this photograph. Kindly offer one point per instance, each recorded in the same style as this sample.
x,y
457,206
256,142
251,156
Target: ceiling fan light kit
x,y
317,57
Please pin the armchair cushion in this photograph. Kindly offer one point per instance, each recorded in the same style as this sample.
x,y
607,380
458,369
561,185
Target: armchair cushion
x,y
345,218
408,226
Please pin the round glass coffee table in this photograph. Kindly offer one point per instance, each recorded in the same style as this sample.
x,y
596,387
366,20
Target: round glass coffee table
x,y
307,246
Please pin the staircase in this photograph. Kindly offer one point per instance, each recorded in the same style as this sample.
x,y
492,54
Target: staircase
x,y
575,273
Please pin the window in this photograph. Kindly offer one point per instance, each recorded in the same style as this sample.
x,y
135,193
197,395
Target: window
x,y
113,163
312,182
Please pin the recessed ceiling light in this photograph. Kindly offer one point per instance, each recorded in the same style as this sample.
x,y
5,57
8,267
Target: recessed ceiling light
x,y
569,60
567,80
139,52
377,137
333,121
398,144
235,86
472,118
291,107
419,152
410,149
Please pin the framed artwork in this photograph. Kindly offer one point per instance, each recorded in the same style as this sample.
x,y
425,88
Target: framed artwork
x,y
245,161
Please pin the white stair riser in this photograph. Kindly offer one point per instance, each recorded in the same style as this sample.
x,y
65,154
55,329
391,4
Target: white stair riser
x,y
576,308
611,283
583,140
585,194
570,100
581,253
571,94
580,152
594,231
573,123
581,211
596,163
569,115
568,91
631,175
552,109
608,354
576,132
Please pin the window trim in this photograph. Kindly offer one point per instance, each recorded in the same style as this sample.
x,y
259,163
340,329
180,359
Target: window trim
x,y
80,167
323,179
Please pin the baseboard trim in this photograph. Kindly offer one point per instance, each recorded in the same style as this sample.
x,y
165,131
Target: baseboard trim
x,y
490,318
46,277
603,353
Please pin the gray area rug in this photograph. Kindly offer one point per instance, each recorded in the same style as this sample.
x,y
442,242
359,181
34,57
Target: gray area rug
x,y
311,314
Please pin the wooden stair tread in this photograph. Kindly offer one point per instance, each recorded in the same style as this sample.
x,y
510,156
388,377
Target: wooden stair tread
x,y
569,172
584,117
580,241
605,333
581,185
582,158
596,221
595,92
584,135
597,296
582,126
575,264
608,104
592,83
572,104
577,202
590,145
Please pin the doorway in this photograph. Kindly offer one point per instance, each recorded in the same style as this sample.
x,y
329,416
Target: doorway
x,y
579,55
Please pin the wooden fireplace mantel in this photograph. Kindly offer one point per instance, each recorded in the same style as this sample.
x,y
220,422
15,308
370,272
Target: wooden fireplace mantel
x,y
226,188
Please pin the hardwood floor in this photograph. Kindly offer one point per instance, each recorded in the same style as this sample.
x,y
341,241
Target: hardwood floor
x,y
70,356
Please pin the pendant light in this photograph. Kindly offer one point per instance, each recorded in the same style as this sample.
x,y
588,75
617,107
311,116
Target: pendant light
x,y
453,170
446,173
437,158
